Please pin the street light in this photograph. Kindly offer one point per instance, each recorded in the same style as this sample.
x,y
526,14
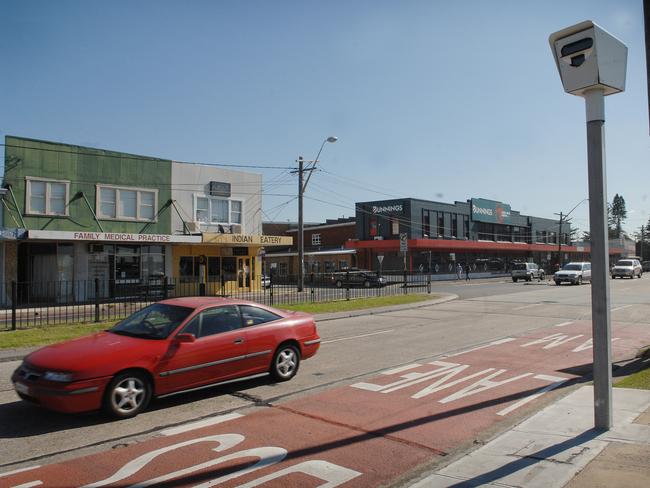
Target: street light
x,y
302,185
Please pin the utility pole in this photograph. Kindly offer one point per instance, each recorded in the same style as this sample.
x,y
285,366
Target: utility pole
x,y
642,239
559,243
301,225
302,184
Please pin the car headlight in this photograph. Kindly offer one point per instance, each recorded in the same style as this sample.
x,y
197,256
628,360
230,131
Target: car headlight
x,y
57,376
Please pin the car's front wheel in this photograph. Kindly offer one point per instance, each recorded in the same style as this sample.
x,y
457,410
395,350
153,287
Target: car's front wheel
x,y
541,276
286,362
514,280
127,395
366,284
339,283
579,282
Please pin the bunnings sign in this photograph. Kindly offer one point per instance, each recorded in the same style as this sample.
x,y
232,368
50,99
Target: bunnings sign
x,y
490,211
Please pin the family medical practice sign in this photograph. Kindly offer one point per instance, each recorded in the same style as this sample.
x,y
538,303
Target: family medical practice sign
x,y
490,211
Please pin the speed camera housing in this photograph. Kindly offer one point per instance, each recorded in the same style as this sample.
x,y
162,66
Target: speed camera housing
x,y
588,57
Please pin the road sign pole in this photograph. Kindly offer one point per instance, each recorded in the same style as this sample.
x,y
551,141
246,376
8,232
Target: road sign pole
x,y
600,307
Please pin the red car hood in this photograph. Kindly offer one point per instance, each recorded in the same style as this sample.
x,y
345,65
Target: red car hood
x,y
98,355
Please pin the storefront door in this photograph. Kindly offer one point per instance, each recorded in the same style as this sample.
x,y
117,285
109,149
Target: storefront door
x,y
244,273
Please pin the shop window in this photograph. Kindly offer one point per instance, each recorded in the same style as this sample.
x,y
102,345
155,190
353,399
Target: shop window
x,y
235,212
315,239
454,225
330,266
126,203
343,265
426,227
211,210
394,226
466,226
441,224
47,197
283,269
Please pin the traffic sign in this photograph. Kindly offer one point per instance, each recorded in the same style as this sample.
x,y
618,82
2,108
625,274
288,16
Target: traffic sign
x,y
403,243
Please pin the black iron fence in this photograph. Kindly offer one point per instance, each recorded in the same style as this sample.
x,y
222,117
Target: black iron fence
x,y
35,304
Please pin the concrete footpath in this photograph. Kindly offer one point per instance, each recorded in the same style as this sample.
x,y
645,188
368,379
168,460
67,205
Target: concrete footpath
x,y
559,447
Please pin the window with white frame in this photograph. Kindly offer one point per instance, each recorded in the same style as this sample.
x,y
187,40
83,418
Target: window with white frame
x,y
123,203
211,210
315,239
46,197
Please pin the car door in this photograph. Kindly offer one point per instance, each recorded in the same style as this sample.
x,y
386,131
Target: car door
x,y
586,272
217,354
264,333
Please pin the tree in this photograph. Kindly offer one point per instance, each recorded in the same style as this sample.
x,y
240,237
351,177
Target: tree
x,y
618,213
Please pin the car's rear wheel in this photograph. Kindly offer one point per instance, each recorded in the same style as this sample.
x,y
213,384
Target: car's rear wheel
x,y
366,284
127,394
286,362
541,276
514,280
557,283
339,283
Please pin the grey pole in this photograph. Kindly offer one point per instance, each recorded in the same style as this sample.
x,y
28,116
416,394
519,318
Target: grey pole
x,y
600,308
301,226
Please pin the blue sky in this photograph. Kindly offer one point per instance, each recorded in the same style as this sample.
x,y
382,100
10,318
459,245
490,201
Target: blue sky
x,y
430,99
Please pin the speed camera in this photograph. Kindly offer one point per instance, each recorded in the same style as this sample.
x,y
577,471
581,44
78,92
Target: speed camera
x,y
588,57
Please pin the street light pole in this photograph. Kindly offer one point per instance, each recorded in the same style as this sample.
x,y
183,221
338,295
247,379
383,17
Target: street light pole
x,y
302,185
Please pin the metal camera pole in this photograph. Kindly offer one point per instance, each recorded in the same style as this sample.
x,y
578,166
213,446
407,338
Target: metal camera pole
x,y
600,314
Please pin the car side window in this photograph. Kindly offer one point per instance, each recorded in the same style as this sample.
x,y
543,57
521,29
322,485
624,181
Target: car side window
x,y
255,315
214,321
587,266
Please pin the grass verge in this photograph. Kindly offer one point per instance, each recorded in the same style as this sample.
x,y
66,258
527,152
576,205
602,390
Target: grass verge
x,y
40,336
358,303
639,380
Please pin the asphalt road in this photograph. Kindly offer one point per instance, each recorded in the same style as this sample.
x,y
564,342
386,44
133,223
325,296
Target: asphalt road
x,y
353,349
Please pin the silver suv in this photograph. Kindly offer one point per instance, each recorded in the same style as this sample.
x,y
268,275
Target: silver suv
x,y
627,268
526,271
574,273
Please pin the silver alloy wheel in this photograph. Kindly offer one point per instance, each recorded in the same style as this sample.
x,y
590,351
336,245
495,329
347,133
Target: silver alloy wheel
x,y
128,395
286,362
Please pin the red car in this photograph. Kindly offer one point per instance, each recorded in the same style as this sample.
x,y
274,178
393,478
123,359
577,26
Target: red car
x,y
170,346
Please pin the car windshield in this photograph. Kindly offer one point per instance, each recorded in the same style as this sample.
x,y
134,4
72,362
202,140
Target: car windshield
x,y
519,266
625,262
572,267
156,321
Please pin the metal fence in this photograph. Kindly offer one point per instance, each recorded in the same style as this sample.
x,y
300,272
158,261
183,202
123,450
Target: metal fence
x,y
35,304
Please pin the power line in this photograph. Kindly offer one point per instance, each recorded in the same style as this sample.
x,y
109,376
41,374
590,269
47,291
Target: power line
x,y
144,158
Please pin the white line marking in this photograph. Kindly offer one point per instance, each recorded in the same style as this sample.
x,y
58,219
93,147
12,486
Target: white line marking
x,y
562,324
401,369
200,424
494,343
9,473
539,393
358,336
527,306
29,485
621,307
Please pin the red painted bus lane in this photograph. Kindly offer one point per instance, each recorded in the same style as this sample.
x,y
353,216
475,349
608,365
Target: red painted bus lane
x,y
365,434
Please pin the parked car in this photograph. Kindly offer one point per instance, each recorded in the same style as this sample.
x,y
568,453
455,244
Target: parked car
x,y
526,271
627,268
357,277
574,273
167,347
645,265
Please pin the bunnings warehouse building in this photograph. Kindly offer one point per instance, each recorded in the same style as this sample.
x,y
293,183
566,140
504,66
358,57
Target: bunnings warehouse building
x,y
486,234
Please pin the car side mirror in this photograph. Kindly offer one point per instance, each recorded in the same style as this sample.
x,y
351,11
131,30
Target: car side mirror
x,y
185,337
